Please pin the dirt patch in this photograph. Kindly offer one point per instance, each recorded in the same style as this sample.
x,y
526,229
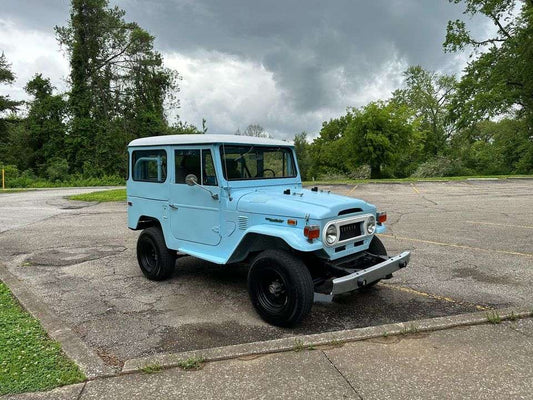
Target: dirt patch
x,y
60,257
480,276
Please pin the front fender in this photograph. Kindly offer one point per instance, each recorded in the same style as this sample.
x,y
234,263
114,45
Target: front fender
x,y
294,237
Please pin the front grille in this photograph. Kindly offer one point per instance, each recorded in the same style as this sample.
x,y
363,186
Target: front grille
x,y
349,231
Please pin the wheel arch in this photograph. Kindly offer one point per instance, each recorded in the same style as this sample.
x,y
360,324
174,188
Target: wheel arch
x,y
146,221
253,243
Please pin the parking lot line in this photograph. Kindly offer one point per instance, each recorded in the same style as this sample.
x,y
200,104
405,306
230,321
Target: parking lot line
x,y
496,224
352,190
415,188
460,246
432,296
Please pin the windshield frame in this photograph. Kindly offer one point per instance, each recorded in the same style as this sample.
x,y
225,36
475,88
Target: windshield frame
x,y
252,147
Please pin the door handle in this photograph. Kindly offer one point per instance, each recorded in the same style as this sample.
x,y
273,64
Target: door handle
x,y
172,205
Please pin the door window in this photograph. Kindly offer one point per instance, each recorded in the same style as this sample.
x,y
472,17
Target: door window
x,y
197,162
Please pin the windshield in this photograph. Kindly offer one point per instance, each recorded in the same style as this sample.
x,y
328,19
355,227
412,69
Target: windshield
x,y
257,162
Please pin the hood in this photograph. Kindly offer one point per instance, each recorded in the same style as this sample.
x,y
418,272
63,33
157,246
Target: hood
x,y
319,205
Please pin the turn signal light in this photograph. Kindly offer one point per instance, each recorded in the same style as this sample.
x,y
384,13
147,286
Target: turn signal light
x,y
312,232
381,217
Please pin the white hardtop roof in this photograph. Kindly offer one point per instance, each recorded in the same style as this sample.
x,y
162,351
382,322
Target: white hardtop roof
x,y
206,139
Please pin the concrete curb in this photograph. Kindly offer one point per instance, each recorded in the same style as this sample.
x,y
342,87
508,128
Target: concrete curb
x,y
72,345
328,338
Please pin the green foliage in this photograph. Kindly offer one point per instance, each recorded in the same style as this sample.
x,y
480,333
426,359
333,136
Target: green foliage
x,y
498,79
192,363
440,166
152,368
378,135
301,147
101,196
429,95
118,87
29,359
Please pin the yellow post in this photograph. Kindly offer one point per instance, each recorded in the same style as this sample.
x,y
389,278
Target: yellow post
x,y
3,180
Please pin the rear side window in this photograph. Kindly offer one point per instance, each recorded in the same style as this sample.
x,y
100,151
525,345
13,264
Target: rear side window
x,y
149,165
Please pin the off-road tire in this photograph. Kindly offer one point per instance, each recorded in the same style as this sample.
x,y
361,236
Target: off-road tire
x,y
288,301
156,261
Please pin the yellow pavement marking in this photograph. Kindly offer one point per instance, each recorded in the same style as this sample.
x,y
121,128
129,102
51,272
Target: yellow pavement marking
x,y
494,223
460,246
432,296
351,191
414,188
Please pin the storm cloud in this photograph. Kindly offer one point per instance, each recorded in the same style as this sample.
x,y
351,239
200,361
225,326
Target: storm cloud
x,y
287,65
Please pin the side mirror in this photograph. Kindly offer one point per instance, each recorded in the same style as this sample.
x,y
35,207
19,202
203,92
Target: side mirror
x,y
191,180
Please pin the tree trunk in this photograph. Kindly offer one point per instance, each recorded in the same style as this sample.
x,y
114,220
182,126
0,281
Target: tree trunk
x,y
375,171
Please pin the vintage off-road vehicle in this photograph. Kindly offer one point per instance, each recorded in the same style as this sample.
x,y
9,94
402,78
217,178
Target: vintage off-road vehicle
x,y
233,199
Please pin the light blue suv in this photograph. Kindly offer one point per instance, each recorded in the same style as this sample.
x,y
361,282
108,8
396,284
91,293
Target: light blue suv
x,y
232,199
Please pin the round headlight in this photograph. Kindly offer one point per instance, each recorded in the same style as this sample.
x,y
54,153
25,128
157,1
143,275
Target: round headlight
x,y
371,225
331,234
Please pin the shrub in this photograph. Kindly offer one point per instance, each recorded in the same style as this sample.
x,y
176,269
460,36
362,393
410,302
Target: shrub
x,y
440,166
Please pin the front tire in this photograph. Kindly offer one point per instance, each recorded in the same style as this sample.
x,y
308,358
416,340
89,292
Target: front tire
x,y
156,261
281,288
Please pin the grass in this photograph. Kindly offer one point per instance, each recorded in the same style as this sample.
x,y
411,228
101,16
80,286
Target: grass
x,y
192,363
410,179
103,195
151,368
493,317
29,360
410,330
13,190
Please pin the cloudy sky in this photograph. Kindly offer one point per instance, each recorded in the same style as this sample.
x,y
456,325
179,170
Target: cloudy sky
x,y
286,65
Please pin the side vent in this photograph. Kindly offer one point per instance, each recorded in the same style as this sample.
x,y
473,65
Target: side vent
x,y
242,222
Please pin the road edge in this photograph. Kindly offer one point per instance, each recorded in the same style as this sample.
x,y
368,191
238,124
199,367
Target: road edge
x,y
170,360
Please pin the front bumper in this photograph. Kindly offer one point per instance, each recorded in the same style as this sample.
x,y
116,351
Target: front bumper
x,y
371,274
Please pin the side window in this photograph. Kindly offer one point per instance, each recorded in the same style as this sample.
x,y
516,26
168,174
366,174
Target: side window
x,y
149,166
189,161
209,174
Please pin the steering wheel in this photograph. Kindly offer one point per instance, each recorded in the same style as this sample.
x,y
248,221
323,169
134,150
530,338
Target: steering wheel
x,y
271,170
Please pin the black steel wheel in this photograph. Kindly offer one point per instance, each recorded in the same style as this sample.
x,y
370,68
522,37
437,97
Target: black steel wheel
x,y
156,261
280,287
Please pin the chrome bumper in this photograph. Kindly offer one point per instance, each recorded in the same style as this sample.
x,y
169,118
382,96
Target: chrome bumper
x,y
365,276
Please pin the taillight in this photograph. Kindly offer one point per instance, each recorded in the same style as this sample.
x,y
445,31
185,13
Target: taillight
x,y
312,232
381,217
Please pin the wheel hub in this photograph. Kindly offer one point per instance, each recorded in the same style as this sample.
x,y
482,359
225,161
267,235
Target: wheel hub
x,y
275,288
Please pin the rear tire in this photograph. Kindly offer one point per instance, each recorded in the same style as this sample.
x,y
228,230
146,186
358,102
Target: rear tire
x,y
156,261
281,288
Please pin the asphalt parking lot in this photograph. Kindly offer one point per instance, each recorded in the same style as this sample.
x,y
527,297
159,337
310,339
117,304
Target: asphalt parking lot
x,y
471,243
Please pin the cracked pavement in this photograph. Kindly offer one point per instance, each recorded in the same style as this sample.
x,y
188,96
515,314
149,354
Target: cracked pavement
x,y
470,241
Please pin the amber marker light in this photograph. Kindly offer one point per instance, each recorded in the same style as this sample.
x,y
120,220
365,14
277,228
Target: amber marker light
x,y
312,232
292,222
381,217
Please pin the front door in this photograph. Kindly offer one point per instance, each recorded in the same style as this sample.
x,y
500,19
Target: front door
x,y
194,214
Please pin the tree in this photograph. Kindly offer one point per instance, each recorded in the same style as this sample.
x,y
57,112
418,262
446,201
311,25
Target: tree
x,y
499,78
7,108
118,86
301,147
328,149
429,95
46,127
255,130
378,134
